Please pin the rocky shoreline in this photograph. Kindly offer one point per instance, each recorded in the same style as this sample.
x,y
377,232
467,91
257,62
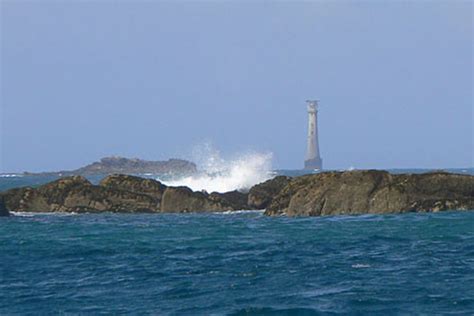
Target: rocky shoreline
x,y
327,193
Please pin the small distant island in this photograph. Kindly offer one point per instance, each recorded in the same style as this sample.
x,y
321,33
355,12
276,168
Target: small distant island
x,y
115,164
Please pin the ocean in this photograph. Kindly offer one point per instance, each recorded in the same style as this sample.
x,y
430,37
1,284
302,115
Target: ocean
x,y
241,263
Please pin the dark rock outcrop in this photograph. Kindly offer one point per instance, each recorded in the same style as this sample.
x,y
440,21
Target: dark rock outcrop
x,y
134,184
361,192
328,193
3,209
261,195
183,199
117,193
235,199
76,194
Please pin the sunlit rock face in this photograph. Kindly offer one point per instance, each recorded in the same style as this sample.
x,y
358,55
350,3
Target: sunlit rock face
x,y
371,191
261,195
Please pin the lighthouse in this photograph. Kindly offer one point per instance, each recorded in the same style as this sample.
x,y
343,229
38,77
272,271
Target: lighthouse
x,y
313,159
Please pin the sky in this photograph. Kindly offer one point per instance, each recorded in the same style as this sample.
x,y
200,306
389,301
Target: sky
x,y
81,80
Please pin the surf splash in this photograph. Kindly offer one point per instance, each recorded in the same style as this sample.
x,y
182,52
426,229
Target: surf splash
x,y
220,175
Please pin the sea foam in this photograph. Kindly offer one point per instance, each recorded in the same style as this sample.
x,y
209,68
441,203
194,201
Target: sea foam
x,y
222,175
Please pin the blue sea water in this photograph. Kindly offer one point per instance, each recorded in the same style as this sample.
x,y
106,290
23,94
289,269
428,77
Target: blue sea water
x,y
237,264
241,263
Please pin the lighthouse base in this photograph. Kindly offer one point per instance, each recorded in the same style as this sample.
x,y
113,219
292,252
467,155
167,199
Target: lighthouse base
x,y
313,164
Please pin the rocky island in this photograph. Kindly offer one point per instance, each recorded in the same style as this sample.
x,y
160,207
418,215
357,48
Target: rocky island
x,y
327,193
115,165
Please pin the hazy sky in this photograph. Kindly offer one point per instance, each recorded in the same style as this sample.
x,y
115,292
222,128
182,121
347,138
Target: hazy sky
x,y
85,79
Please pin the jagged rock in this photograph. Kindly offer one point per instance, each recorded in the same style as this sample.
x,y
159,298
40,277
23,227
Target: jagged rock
x,y
77,194
134,184
361,192
3,209
261,195
118,193
235,199
183,199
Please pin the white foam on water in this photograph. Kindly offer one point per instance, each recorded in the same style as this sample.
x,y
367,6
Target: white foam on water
x,y
240,212
32,214
223,175
22,214
360,266
11,175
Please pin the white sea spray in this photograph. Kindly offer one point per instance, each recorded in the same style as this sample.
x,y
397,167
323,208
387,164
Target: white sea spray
x,y
217,174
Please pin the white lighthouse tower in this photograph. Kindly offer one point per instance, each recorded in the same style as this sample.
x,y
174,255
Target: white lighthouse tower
x,y
313,159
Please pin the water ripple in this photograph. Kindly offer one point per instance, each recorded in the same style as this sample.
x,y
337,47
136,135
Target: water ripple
x,y
237,264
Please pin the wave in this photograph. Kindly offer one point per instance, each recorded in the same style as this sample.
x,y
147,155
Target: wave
x,y
11,175
240,212
223,175
31,214
361,266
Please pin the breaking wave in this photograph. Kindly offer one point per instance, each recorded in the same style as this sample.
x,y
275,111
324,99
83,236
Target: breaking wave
x,y
217,174
11,175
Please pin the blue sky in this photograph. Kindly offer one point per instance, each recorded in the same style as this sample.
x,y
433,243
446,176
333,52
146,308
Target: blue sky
x,y
85,79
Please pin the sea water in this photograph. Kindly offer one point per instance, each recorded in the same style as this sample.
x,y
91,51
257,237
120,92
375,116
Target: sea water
x,y
240,263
